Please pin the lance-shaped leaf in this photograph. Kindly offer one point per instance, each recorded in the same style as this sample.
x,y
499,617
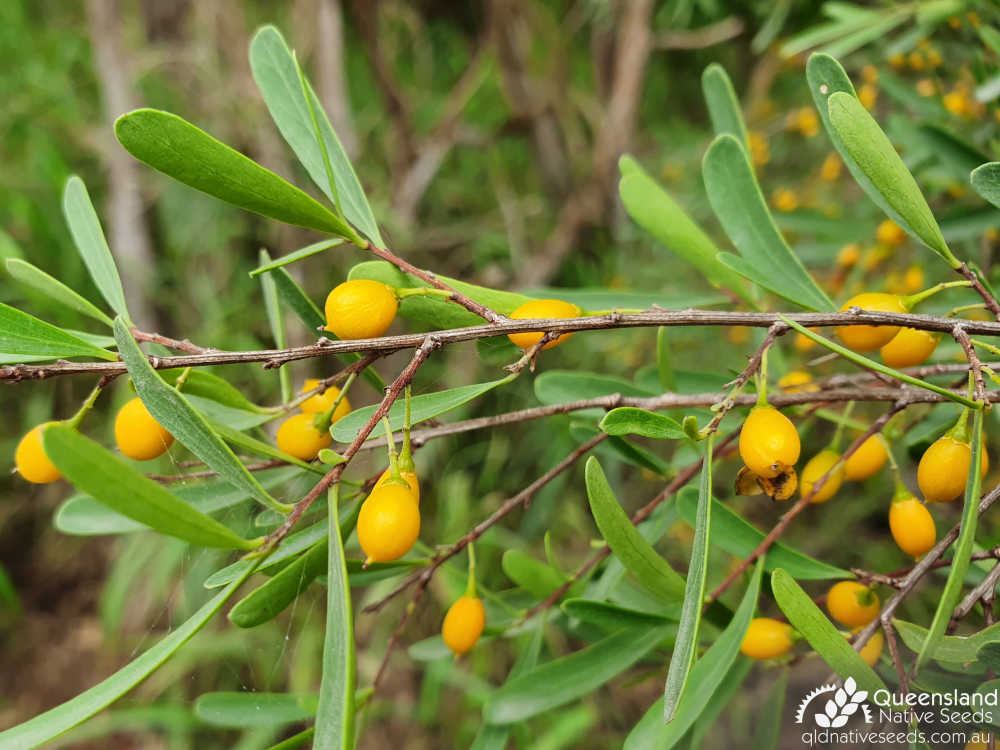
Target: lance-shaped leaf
x,y
260,448
276,319
723,106
306,252
169,407
92,245
25,337
654,210
869,148
180,150
55,721
954,153
628,420
694,593
986,181
243,710
766,259
51,287
93,469
212,387
611,616
959,649
335,716
270,599
822,634
706,677
277,75
963,547
629,546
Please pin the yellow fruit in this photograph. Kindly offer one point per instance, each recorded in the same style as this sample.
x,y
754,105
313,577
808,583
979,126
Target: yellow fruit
x,y
866,460
463,624
830,170
409,476
956,102
138,435
897,61
30,458
872,650
784,200
868,338
760,151
321,402
803,343
913,279
806,121
389,523
542,308
916,61
909,348
738,334
852,604
797,381
849,255
926,87
766,638
912,526
867,95
769,443
869,74
299,437
944,468
360,309
817,466
890,234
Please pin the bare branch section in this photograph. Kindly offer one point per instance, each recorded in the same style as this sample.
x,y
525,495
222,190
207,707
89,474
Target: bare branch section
x,y
611,321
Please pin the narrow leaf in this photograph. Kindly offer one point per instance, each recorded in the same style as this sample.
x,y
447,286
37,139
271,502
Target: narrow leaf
x,y
92,245
959,649
260,448
963,547
634,552
535,577
206,385
723,106
768,732
306,252
822,634
335,716
93,469
611,616
180,419
55,721
237,710
37,279
277,75
190,155
869,148
269,599
767,260
694,593
628,420
26,337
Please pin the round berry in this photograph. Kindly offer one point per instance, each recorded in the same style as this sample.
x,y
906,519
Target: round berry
x,y
816,467
463,624
909,348
766,638
389,523
321,402
769,443
138,435
890,234
944,469
870,456
852,604
868,338
912,526
299,437
30,458
541,308
360,309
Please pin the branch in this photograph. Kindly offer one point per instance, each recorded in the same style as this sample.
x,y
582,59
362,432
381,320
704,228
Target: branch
x,y
991,302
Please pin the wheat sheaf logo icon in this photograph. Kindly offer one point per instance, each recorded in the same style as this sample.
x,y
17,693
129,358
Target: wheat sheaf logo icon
x,y
839,708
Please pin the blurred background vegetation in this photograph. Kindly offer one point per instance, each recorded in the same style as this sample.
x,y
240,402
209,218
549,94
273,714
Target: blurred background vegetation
x,y
487,135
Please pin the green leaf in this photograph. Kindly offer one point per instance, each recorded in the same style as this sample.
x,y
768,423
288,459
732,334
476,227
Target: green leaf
x,y
37,279
559,386
180,419
537,578
732,533
212,387
277,76
654,210
423,407
9,599
435,311
91,244
190,155
723,105
958,649
620,449
611,616
768,732
335,717
822,634
634,552
55,721
706,678
991,37
276,320
740,207
871,151
306,252
628,420
294,545
694,593
26,337
570,677
269,599
989,656
664,360
82,515
963,547
955,154
93,469
237,710
986,181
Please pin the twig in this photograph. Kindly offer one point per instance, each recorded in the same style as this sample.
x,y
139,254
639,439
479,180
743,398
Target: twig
x,y
181,345
700,38
324,384
890,638
986,586
208,473
722,408
960,335
991,302
895,578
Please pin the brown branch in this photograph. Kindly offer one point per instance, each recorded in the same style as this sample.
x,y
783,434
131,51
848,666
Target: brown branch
x,y
960,335
985,588
722,407
895,578
706,36
324,384
610,321
991,302
208,473
181,345
897,662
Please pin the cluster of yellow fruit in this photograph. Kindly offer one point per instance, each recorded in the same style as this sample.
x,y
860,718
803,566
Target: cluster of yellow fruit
x,y
137,434
850,603
305,434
